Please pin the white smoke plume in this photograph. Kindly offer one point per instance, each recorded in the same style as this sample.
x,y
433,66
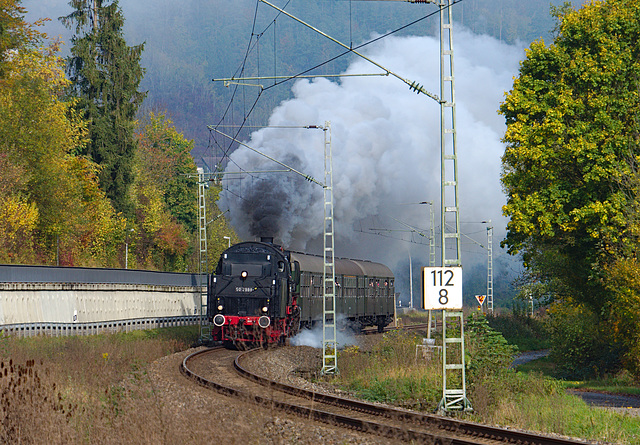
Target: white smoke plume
x,y
386,149
313,337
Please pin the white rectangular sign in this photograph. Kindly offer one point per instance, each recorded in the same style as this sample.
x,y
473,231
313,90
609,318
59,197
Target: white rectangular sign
x,y
442,287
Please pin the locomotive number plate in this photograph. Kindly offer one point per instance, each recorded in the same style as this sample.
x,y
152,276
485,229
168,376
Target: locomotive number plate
x,y
244,289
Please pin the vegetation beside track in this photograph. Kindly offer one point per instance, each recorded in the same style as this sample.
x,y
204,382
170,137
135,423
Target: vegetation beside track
x,y
533,400
97,389
93,389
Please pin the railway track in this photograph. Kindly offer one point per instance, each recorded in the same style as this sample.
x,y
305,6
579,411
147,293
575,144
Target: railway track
x,y
223,371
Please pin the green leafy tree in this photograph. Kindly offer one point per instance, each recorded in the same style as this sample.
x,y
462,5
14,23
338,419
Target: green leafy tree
x,y
105,75
623,282
572,127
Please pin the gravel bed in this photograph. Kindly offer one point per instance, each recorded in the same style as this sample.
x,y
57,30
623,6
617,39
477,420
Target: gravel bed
x,y
192,414
299,365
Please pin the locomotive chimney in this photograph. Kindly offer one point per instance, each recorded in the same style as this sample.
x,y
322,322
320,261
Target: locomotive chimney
x,y
266,239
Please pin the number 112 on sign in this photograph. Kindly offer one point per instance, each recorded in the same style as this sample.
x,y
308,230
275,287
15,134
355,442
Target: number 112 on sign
x,y
442,287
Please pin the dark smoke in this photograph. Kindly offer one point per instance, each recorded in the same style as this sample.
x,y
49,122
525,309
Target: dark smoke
x,y
386,152
263,207
269,202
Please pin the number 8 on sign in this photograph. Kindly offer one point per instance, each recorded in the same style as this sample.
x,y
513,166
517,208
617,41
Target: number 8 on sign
x,y
442,287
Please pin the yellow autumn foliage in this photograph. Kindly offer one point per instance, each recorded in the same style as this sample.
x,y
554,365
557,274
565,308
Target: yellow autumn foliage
x,y
17,224
52,189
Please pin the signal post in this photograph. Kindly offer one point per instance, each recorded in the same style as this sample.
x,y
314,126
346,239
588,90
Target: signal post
x,y
442,290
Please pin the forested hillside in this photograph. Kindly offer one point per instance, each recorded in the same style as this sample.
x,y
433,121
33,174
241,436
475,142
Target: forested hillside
x,y
189,43
86,177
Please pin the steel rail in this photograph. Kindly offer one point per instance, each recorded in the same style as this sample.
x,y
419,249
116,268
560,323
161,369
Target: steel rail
x,y
378,429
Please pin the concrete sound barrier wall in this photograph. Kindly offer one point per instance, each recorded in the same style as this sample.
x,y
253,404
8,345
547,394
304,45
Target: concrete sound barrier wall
x,y
80,308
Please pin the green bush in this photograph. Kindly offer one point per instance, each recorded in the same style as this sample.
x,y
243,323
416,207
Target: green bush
x,y
487,349
581,346
528,333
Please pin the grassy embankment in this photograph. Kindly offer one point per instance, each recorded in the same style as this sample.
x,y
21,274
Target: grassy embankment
x,y
93,389
529,400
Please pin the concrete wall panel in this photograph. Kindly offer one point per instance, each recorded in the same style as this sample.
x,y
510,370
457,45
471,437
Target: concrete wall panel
x,y
22,303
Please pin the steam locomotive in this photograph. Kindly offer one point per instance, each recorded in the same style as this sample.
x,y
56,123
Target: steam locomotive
x,y
261,294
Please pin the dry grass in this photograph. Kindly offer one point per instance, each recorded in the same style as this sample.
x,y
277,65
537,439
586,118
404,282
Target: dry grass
x,y
32,402
81,389
104,389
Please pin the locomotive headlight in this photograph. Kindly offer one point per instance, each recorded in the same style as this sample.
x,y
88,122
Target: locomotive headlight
x,y
219,307
219,320
265,309
244,274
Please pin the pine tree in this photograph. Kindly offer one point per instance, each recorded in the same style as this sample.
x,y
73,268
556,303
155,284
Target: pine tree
x,y
105,75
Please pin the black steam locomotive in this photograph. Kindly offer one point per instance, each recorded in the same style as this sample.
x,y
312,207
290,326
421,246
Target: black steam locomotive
x,y
261,294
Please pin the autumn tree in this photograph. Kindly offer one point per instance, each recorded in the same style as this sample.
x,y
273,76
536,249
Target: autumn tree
x,y
14,32
572,130
166,155
218,226
50,201
164,193
105,76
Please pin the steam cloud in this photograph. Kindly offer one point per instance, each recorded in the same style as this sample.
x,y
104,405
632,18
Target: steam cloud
x,y
386,149
313,338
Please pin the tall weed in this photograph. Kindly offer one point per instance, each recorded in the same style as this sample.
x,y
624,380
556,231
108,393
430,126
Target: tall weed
x,y
90,389
560,413
391,373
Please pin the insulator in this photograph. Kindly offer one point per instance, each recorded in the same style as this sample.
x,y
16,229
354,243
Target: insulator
x,y
415,86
